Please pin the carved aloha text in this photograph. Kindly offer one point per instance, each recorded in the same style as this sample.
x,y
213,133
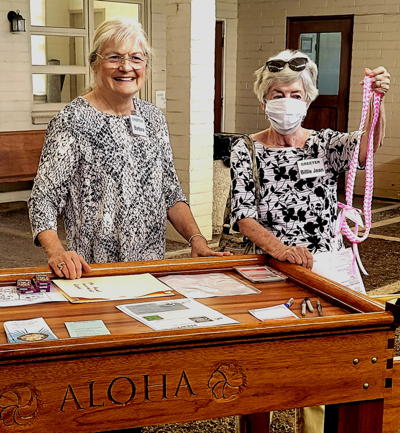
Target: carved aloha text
x,y
123,390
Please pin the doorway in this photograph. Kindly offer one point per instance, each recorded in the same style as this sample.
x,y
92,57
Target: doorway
x,y
328,42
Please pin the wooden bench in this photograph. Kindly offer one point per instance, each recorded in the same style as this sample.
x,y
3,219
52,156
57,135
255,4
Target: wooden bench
x,y
19,154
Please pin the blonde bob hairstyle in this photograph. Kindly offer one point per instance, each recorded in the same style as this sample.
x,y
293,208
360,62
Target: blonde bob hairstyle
x,y
308,76
118,29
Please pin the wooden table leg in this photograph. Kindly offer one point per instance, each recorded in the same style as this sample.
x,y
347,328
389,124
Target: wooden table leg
x,y
358,417
255,423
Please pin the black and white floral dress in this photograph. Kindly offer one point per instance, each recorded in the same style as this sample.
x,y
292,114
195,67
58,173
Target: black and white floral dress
x,y
300,212
112,187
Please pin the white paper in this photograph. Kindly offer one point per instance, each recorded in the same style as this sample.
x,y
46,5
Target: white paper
x,y
161,101
86,328
10,297
337,266
115,287
31,330
176,314
275,312
208,285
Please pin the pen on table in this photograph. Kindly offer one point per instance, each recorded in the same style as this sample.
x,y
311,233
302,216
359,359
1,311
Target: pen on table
x,y
303,308
309,305
319,308
289,303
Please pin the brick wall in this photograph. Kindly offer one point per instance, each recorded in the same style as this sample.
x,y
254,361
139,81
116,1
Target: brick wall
x,y
261,33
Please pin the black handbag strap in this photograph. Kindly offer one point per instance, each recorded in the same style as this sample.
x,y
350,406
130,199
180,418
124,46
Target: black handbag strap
x,y
256,179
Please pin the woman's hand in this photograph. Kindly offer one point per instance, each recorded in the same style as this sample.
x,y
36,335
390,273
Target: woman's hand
x,y
381,79
201,249
296,255
68,264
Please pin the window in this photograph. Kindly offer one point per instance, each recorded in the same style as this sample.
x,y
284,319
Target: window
x,y
60,37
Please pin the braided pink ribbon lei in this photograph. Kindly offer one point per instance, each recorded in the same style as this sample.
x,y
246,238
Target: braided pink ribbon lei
x,y
352,235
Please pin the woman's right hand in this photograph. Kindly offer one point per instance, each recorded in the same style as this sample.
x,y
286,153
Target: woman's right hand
x,y
296,255
68,264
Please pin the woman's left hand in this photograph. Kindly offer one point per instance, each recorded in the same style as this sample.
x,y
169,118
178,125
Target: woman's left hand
x,y
201,249
381,79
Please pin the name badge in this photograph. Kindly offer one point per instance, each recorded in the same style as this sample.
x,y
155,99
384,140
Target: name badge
x,y
138,126
311,168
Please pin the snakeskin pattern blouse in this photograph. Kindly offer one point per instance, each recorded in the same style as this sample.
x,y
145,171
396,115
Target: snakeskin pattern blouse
x,y
299,212
113,188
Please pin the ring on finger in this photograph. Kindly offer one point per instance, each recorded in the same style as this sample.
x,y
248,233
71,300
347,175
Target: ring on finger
x,y
61,265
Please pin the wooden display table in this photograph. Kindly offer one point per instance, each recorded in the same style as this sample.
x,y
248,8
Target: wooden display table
x,y
391,418
136,377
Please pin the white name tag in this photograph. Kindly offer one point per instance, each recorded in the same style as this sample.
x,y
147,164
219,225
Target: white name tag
x,y
138,126
311,168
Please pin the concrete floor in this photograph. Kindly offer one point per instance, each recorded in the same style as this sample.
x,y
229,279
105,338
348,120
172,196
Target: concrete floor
x,y
380,253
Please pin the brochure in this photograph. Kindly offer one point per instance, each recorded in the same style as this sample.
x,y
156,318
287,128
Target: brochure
x,y
208,285
87,328
25,331
113,288
10,297
176,314
260,274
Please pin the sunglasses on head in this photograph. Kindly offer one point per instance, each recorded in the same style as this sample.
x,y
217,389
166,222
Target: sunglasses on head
x,y
296,64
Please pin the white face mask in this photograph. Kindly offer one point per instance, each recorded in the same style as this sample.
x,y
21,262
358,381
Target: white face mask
x,y
285,114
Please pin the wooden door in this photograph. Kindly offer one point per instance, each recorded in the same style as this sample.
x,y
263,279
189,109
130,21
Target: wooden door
x,y
218,73
328,41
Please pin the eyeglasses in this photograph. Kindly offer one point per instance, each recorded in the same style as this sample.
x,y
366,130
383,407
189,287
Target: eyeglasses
x,y
296,64
114,60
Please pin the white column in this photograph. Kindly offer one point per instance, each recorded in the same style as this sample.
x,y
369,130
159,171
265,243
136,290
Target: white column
x,y
190,101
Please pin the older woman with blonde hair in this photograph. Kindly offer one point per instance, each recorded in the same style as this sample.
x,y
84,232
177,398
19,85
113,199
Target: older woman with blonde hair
x,y
296,214
107,168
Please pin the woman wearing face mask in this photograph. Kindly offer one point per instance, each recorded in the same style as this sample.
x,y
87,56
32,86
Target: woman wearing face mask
x,y
297,214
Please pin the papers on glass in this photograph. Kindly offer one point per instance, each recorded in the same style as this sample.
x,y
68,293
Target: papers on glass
x,y
25,331
10,297
275,312
176,314
338,266
86,328
208,285
113,288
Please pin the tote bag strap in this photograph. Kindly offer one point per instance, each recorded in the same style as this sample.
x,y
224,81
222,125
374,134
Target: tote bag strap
x,y
252,151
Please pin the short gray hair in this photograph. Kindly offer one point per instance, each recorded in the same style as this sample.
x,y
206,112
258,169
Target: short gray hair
x,y
308,76
118,29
